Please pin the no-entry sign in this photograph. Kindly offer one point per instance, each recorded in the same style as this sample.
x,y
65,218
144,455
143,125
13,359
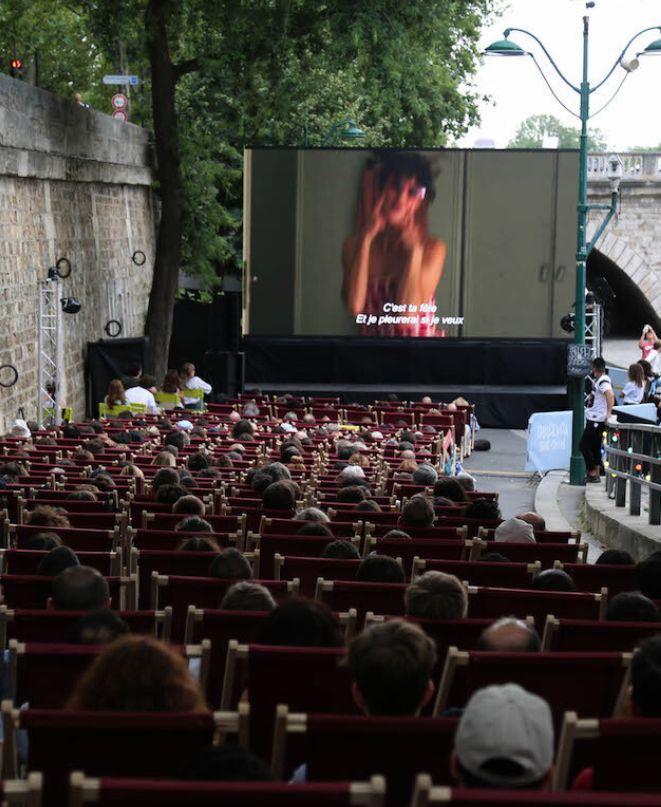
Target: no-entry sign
x,y
120,114
119,101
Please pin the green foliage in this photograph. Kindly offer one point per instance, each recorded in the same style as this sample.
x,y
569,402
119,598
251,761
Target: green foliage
x,y
268,72
531,133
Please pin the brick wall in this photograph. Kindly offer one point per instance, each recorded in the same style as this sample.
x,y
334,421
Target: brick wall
x,y
74,183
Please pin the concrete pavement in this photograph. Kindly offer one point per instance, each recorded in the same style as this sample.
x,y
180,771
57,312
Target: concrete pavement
x,y
563,506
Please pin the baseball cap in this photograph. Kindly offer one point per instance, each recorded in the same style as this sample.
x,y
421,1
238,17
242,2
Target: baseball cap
x,y
505,722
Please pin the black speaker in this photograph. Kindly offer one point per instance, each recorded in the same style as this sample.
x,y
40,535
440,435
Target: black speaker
x,y
224,370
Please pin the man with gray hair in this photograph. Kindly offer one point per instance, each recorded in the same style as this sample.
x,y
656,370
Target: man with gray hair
x,y
311,514
436,595
509,635
504,740
425,474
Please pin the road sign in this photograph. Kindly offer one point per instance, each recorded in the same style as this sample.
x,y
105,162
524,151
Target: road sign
x,y
132,80
119,101
120,114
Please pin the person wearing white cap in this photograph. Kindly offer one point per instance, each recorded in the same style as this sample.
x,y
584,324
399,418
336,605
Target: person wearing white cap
x,y
504,740
514,531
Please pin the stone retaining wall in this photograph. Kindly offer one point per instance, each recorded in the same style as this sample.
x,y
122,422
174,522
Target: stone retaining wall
x,y
74,183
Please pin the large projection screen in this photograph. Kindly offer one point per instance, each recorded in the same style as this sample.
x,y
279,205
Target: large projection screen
x,y
337,242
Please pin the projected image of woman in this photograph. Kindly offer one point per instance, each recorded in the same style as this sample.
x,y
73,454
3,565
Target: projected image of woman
x,y
392,265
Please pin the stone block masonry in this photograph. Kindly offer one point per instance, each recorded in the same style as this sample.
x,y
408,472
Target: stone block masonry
x,y
74,183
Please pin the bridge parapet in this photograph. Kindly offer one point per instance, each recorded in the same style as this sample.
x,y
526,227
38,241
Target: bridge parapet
x,y
639,166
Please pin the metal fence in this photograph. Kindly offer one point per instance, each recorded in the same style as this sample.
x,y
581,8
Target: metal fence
x,y
633,463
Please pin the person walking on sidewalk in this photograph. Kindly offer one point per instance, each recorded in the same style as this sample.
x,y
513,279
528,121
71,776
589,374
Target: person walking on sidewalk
x,y
597,413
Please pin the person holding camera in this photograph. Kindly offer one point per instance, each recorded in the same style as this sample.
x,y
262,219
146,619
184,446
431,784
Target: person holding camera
x,y
647,341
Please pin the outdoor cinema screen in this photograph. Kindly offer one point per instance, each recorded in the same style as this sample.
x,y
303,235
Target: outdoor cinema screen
x,y
408,243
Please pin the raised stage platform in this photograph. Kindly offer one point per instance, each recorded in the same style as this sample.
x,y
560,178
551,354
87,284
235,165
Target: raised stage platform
x,y
507,379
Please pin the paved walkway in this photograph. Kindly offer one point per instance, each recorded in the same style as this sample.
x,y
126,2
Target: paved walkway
x,y
563,506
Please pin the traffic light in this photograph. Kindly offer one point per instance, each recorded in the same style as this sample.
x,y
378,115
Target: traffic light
x,y
15,68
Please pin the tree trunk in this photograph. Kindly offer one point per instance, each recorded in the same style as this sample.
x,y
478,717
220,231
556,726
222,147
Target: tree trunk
x,y
168,243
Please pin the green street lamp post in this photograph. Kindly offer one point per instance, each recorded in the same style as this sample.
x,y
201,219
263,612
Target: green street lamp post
x,y
344,129
506,47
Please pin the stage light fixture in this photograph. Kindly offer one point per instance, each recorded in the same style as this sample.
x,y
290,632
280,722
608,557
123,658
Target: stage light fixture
x,y
70,305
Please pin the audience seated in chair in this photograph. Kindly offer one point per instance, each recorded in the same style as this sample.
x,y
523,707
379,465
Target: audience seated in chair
x,y
436,595
509,635
504,740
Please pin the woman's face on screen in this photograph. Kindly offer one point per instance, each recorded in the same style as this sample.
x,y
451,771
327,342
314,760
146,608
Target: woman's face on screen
x,y
403,197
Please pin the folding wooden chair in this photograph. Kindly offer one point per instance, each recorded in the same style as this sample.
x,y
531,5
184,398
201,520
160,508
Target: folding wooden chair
x,y
494,602
48,625
23,792
593,684
345,747
592,576
153,744
26,561
424,548
173,793
308,570
203,592
594,635
425,795
341,595
546,554
624,754
476,573
44,674
310,546
301,677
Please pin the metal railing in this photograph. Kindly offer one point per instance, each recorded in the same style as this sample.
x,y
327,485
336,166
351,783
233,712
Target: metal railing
x,y
633,462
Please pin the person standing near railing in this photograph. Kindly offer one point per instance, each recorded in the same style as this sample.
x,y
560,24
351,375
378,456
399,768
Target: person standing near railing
x,y
597,413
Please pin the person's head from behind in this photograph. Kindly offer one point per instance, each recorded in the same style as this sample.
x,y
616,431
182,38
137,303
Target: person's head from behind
x,y
100,626
417,512
509,635
198,543
79,588
368,506
138,674
425,474
311,514
230,564
279,496
193,524
177,438
615,557
648,576
632,606
165,476
484,509
553,580
247,596
341,550
116,392
645,692
189,505
396,535
352,494
391,664
436,595
450,489
636,374
299,622
47,516
43,541
504,740
56,561
169,494
380,569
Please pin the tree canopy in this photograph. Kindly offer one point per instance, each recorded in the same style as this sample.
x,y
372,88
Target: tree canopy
x,y
217,75
533,130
